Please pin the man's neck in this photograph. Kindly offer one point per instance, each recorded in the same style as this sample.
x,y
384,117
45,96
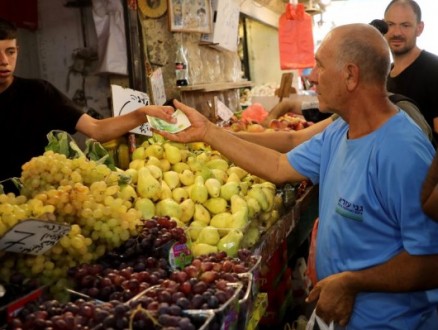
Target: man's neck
x,y
402,61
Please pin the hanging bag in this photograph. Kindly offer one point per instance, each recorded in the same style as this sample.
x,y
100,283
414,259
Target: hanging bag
x,y
296,38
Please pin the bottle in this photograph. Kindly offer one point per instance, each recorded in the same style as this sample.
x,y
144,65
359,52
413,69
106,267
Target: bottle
x,y
181,67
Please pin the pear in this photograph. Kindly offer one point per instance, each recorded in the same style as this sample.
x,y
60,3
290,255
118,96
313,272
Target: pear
x,y
201,214
230,243
172,153
147,185
216,205
205,172
138,153
194,229
155,150
133,174
168,207
254,207
222,222
213,186
240,219
152,160
145,144
229,189
244,186
146,207
198,191
187,210
136,164
240,172
127,193
155,171
233,177
172,179
179,194
165,165
270,195
257,193
180,167
187,177
220,175
185,153
194,164
208,235
203,158
218,163
165,191
200,249
237,202
251,237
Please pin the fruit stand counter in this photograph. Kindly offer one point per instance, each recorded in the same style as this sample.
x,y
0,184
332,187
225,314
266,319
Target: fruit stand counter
x,y
296,223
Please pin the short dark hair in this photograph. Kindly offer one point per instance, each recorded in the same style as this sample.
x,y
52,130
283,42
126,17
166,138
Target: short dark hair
x,y
8,30
415,7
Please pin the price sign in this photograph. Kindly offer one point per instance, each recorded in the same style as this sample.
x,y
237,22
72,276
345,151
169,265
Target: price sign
x,y
223,111
126,100
32,236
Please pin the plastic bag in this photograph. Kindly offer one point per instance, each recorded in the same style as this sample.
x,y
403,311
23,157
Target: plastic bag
x,y
255,112
296,38
315,319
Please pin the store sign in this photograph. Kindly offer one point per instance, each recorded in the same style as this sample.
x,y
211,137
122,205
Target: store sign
x,y
33,236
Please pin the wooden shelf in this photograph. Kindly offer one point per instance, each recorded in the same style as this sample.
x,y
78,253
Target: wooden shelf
x,y
212,87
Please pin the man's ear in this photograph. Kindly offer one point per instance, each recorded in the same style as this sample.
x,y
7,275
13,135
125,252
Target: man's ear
x,y
420,28
351,73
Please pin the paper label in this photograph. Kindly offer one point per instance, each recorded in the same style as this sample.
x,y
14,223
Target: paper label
x,y
33,236
182,122
223,111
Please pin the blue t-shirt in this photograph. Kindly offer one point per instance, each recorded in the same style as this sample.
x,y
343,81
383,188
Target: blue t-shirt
x,y
370,210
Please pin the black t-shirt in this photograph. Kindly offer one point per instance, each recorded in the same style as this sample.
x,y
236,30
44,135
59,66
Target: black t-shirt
x,y
29,110
419,81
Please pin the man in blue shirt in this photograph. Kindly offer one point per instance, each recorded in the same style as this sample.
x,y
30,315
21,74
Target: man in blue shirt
x,y
377,251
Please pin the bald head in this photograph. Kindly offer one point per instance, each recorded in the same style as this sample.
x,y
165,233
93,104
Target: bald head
x,y
361,45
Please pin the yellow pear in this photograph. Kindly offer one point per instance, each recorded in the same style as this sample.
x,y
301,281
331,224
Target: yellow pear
x,y
222,222
198,191
172,153
229,189
205,172
136,164
179,194
201,214
254,207
194,164
208,235
240,219
172,179
216,205
240,172
155,171
187,177
194,229
187,210
233,177
155,150
127,192
200,249
138,153
146,207
147,185
133,174
165,191
220,175
218,163
237,202
185,153
152,160
257,193
180,167
168,207
165,165
213,186
251,237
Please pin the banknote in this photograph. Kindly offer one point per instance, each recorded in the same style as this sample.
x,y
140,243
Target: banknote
x,y
182,122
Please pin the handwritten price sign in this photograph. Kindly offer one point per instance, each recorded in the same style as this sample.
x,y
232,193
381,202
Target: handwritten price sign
x,y
33,236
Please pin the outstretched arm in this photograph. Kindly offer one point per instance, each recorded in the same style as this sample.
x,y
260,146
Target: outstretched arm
x,y
335,295
429,193
258,160
107,129
282,108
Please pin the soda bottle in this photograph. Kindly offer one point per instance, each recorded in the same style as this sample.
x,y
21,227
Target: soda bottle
x,y
181,67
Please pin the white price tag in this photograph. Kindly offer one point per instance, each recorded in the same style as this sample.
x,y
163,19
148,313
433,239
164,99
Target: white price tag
x,y
223,111
33,236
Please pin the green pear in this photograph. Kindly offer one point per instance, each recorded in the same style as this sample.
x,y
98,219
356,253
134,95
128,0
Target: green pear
x,y
194,229
218,163
257,193
230,243
208,235
201,214
251,237
205,172
216,205
172,153
244,186
172,179
179,194
213,186
155,150
187,210
146,207
237,202
138,153
198,191
187,177
229,189
168,207
254,207
180,167
147,185
200,249
222,222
